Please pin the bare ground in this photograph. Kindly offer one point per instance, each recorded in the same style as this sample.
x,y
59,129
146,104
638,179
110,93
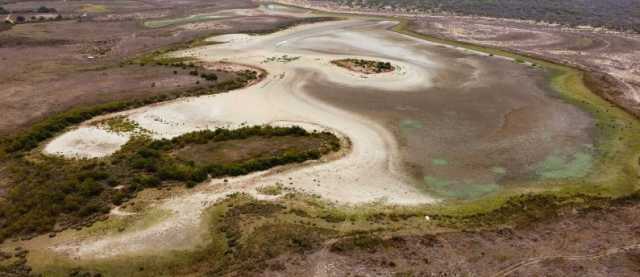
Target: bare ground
x,y
70,63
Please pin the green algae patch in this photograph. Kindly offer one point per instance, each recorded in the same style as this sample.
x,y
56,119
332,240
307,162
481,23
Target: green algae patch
x,y
563,166
454,189
410,124
439,162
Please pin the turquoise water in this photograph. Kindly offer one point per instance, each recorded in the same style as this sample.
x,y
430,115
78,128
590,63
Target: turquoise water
x,y
557,166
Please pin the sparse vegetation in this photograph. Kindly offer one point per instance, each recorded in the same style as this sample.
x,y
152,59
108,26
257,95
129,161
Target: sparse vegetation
x,y
276,189
281,59
120,124
621,16
364,66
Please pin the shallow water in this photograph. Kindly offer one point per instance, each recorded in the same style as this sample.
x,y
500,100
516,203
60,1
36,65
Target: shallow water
x,y
486,123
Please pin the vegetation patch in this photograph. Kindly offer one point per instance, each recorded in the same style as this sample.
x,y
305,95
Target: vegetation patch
x,y
121,124
94,8
249,236
360,241
252,148
281,59
276,189
46,192
365,66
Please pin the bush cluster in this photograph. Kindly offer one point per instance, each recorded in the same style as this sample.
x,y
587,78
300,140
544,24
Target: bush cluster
x,y
154,159
50,191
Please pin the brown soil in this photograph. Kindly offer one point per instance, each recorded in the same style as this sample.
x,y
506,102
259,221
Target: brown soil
x,y
57,65
235,151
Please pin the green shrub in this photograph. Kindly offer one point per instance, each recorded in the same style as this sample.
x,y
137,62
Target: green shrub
x,y
90,187
65,192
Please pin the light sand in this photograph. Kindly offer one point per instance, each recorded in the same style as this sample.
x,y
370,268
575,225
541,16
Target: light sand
x,y
86,142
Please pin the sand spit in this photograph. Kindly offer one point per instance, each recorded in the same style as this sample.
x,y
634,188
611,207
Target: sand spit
x,y
368,172
86,142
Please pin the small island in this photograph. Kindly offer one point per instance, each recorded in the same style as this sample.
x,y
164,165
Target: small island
x,y
364,66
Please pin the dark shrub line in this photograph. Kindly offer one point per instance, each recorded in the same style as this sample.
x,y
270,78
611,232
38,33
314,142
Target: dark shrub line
x,y
153,157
